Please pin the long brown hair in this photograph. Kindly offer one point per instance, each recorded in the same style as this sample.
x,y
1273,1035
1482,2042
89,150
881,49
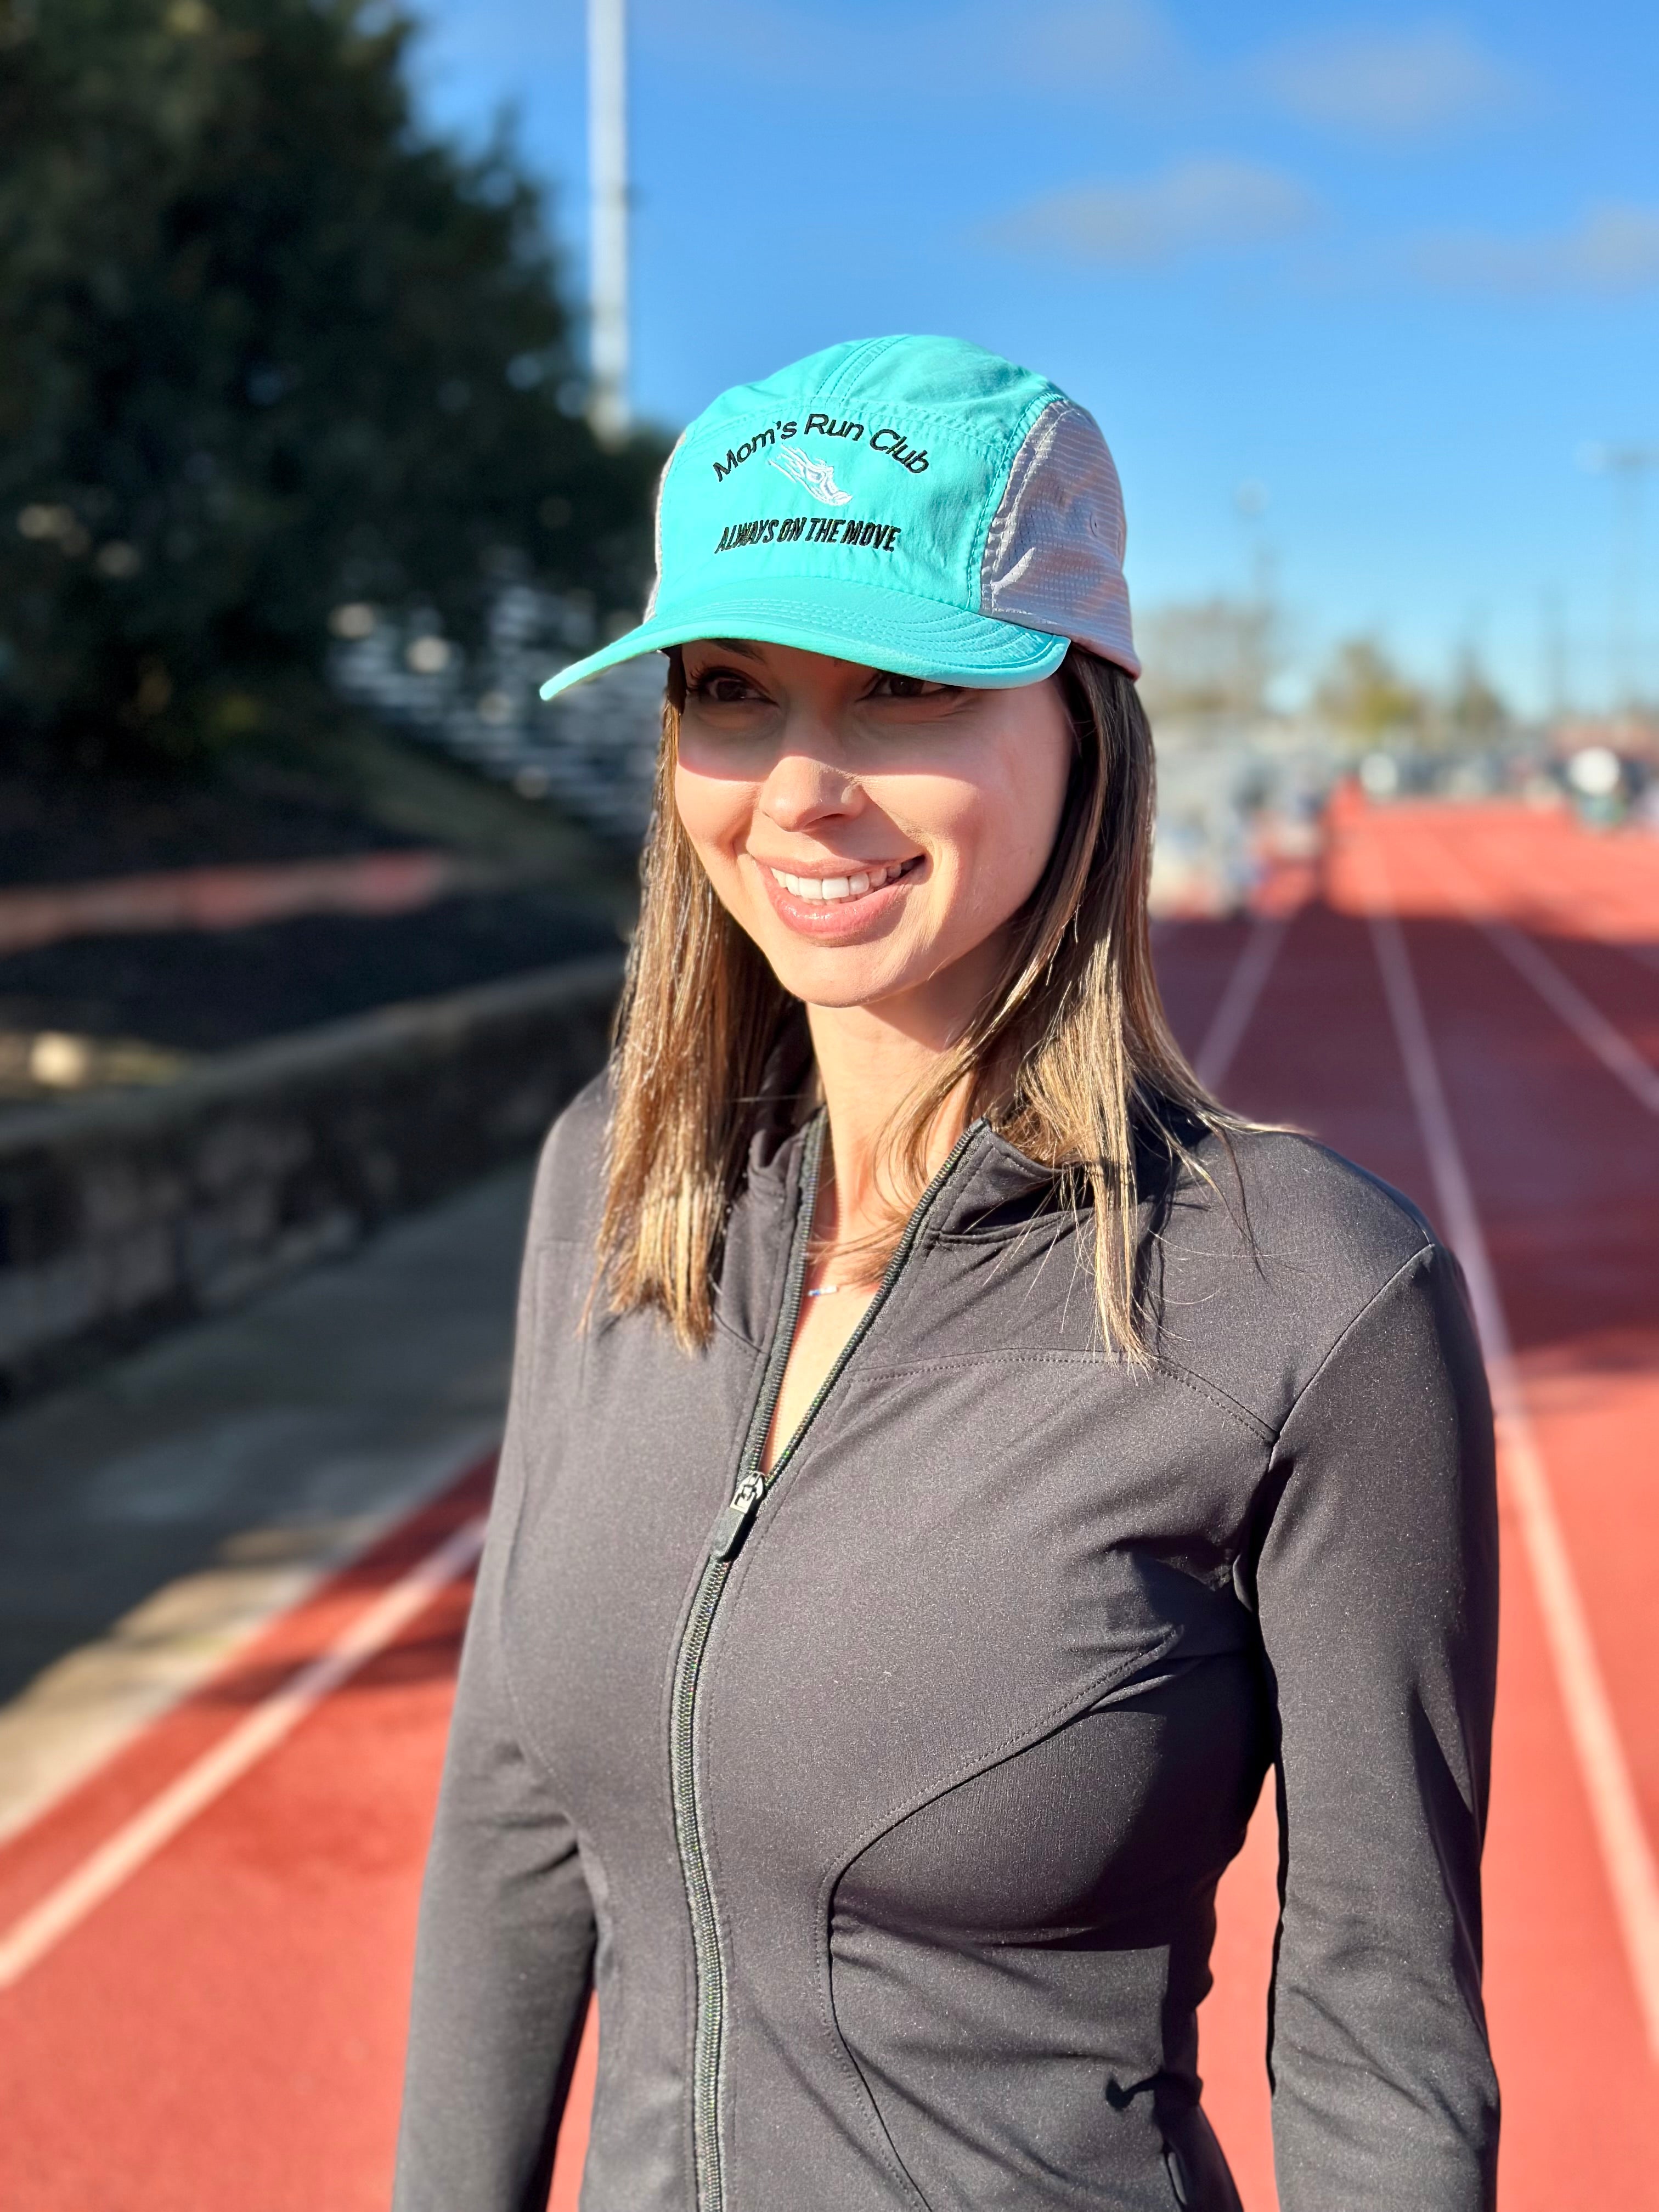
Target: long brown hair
x,y
1069,1057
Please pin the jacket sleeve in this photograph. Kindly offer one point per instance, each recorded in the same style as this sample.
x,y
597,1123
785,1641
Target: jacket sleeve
x,y
504,1954
1376,1588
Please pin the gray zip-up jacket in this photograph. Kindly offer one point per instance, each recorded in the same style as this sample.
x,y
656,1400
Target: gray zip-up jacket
x,y
884,1806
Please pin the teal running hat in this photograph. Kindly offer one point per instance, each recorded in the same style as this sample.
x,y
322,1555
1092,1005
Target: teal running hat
x,y
915,504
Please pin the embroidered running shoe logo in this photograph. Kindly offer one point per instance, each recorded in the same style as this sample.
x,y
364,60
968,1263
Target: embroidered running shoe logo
x,y
816,477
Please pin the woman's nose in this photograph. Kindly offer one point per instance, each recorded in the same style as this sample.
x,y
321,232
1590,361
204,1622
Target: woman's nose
x,y
804,787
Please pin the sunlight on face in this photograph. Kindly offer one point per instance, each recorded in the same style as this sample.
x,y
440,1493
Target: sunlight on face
x,y
871,833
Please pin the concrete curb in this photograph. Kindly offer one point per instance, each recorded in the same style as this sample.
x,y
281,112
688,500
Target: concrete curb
x,y
123,1214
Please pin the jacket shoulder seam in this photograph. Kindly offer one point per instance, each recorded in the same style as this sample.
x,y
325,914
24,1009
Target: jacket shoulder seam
x,y
1427,1250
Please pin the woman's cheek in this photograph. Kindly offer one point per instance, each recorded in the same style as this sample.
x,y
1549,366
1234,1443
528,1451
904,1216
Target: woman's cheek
x,y
979,836
713,813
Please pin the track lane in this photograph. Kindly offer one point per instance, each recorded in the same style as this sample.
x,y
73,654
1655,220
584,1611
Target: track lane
x,y
1543,969
1195,966
121,1856
227,2026
1524,1481
1580,2124
1563,1164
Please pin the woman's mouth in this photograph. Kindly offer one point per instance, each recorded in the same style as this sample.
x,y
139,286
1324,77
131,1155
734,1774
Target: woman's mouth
x,y
857,884
839,907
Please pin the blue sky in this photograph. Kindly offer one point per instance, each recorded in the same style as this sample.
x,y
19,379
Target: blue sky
x,y
1399,268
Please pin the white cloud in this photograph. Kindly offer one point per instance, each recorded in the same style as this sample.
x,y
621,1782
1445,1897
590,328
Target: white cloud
x,y
1387,82
1613,249
1199,206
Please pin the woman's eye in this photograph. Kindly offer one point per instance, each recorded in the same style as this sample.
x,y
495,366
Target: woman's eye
x,y
722,686
907,687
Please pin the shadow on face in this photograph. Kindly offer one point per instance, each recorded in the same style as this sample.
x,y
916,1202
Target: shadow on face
x,y
874,833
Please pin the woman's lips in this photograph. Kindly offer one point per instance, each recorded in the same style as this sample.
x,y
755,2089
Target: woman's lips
x,y
841,905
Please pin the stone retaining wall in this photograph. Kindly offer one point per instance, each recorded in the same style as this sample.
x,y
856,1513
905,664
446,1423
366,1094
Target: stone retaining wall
x,y
123,1214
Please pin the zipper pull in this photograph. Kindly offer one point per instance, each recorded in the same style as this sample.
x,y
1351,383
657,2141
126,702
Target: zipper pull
x,y
733,1524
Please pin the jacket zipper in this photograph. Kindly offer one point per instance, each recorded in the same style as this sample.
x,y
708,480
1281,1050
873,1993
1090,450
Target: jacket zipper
x,y
726,1540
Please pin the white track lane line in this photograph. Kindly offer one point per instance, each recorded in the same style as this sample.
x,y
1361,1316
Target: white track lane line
x,y
1599,933
117,1859
1559,992
1238,999
1615,1812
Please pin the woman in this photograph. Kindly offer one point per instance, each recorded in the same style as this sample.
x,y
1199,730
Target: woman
x,y
950,1459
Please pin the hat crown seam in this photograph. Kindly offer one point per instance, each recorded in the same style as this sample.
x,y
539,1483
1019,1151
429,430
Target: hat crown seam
x,y
1000,523
861,358
1014,444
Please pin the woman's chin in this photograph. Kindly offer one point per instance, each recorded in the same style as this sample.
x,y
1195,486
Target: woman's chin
x,y
832,976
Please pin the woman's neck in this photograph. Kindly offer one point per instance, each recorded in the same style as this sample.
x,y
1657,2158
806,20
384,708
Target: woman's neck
x,y
869,1064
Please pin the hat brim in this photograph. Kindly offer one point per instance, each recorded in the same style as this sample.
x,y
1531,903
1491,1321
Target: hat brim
x,y
845,621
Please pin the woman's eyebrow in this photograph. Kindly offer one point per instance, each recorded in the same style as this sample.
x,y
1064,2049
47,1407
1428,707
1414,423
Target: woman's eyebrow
x,y
740,646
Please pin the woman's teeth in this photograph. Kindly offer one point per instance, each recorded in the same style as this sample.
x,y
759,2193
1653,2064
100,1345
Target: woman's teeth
x,y
840,887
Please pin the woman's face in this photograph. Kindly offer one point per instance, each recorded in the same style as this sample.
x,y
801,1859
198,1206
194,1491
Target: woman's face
x,y
873,834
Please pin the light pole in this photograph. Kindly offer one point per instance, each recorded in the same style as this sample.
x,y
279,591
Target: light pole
x,y
1250,502
607,167
1627,465
1553,651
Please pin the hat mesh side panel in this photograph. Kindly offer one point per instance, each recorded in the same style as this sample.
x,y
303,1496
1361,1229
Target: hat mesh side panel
x,y
1053,553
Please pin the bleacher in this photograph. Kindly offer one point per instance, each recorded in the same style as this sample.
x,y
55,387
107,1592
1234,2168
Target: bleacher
x,y
592,752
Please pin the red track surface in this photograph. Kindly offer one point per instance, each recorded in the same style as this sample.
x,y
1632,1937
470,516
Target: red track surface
x,y
225,898
226,2029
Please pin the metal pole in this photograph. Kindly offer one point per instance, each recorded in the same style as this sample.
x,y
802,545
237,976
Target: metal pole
x,y
607,154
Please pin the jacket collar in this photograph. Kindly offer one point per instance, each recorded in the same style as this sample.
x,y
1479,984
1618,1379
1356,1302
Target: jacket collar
x,y
992,1179
993,1184
991,1176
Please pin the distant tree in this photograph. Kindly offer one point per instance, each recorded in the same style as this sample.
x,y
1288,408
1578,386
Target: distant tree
x,y
1364,694
1209,657
1475,711
265,347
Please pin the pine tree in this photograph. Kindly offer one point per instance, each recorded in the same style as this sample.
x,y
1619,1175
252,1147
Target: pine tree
x,y
266,346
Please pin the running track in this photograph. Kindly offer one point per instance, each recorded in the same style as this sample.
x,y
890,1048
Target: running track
x,y
204,1951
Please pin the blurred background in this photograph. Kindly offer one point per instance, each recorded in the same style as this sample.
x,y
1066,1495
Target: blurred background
x,y
341,345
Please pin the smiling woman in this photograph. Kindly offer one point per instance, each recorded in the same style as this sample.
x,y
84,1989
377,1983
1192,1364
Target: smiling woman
x,y
1011,827
880,1647
875,836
